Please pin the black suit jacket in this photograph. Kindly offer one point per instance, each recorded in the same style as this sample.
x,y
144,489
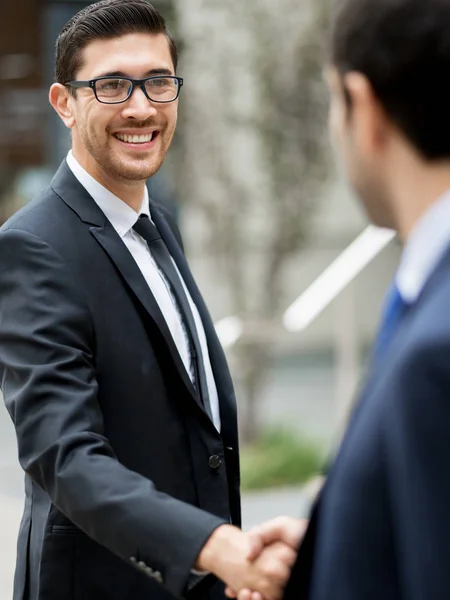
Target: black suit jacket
x,y
121,493
381,528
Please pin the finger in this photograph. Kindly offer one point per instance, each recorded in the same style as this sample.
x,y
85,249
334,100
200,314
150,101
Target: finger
x,y
229,593
256,596
256,545
244,594
278,554
286,554
275,567
277,584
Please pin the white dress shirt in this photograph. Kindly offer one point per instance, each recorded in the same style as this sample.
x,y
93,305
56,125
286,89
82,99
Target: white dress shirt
x,y
424,248
122,217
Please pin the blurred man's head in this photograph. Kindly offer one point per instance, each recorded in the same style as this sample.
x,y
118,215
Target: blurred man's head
x,y
390,107
116,137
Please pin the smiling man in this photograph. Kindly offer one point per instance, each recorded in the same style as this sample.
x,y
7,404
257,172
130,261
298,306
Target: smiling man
x,y
118,137
110,366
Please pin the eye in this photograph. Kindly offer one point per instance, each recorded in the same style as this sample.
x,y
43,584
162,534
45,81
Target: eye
x,y
111,84
160,82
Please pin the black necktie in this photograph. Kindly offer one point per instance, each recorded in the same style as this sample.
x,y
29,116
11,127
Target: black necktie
x,y
147,230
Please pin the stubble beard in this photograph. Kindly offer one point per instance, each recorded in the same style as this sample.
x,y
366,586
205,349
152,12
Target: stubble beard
x,y
119,169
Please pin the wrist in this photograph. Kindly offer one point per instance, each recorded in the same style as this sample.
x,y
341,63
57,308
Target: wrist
x,y
212,551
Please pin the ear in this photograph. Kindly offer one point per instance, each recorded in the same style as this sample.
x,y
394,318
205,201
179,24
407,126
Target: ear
x,y
62,102
370,122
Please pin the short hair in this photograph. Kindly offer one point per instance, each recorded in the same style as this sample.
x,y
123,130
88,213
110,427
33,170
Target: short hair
x,y
106,19
403,48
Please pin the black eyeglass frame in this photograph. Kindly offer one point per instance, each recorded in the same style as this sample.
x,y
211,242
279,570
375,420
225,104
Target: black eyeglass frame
x,y
92,83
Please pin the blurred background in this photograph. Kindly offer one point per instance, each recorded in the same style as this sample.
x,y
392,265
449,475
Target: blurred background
x,y
251,180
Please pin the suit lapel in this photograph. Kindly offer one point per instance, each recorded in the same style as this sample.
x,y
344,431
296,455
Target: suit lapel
x,y
228,411
76,197
111,242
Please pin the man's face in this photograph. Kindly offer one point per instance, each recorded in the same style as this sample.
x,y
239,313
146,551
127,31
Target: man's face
x,y
98,129
358,139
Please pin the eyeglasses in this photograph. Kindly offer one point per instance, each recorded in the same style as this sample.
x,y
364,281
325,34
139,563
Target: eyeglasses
x,y
115,90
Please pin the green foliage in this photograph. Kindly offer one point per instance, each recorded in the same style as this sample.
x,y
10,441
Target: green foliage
x,y
279,458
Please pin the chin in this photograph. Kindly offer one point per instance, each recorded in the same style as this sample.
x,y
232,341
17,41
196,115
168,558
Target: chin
x,y
135,172
377,215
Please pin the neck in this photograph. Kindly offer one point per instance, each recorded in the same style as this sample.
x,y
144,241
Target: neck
x,y
415,186
130,192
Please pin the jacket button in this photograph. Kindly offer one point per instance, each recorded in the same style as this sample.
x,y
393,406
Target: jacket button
x,y
214,461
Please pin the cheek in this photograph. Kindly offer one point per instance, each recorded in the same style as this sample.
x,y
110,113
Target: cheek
x,y
96,120
171,116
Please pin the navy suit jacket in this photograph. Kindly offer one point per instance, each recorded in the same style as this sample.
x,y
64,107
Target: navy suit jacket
x,y
121,491
381,527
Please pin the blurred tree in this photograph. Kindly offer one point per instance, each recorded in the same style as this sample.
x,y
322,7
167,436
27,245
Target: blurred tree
x,y
253,157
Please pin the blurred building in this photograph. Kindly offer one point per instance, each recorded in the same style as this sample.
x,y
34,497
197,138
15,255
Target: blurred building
x,y
22,128
33,140
21,81
30,141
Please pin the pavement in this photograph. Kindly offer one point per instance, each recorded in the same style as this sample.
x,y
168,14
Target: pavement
x,y
10,513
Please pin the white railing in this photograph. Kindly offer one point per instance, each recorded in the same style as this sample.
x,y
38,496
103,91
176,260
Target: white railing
x,y
326,287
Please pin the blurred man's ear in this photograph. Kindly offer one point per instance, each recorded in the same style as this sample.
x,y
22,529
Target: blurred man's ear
x,y
337,88
61,100
369,121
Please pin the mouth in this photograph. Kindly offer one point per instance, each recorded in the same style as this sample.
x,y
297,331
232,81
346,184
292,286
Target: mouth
x,y
135,140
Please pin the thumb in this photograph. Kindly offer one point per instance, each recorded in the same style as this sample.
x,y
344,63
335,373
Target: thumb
x,y
283,529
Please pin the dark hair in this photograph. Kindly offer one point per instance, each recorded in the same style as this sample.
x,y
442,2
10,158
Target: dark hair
x,y
106,19
403,48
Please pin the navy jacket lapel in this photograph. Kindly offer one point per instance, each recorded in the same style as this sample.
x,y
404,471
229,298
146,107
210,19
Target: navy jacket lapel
x,y
76,197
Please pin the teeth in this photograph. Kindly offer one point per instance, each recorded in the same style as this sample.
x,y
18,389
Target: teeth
x,y
135,139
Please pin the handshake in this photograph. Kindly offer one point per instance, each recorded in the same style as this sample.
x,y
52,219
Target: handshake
x,y
254,565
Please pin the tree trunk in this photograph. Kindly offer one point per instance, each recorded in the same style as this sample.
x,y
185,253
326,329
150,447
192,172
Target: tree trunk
x,y
254,360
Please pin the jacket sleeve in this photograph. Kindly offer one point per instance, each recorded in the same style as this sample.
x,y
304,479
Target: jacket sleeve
x,y
47,371
417,454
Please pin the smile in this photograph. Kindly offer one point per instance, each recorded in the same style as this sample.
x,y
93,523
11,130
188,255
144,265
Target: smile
x,y
137,139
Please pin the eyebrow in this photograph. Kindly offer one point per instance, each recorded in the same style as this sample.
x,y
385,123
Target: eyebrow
x,y
152,72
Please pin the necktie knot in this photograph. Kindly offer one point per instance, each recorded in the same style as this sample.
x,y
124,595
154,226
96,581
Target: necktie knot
x,y
146,229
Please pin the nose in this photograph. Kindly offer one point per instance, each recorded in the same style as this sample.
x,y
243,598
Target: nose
x,y
138,106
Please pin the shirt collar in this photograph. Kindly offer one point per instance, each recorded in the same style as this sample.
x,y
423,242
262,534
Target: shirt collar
x,y
121,216
424,248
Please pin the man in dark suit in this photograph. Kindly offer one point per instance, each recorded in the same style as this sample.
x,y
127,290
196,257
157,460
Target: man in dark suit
x,y
110,366
381,527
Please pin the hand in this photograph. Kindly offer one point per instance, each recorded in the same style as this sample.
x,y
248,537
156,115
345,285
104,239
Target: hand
x,y
281,529
226,555
284,529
